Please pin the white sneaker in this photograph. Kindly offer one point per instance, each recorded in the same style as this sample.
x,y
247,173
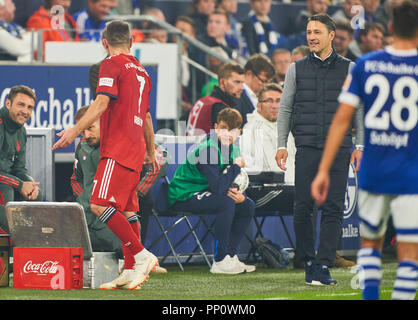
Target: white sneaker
x,y
124,278
226,266
142,268
247,267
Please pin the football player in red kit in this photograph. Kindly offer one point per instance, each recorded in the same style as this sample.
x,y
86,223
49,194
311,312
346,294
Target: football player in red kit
x,y
126,139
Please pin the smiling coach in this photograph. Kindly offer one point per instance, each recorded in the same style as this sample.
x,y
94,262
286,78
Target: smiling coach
x,y
309,102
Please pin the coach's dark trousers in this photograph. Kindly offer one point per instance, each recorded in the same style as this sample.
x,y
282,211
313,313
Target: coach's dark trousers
x,y
306,166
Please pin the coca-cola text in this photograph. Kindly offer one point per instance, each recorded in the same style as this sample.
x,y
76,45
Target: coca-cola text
x,y
41,268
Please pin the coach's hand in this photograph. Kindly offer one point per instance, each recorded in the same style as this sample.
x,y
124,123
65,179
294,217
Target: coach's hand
x,y
67,137
281,158
319,187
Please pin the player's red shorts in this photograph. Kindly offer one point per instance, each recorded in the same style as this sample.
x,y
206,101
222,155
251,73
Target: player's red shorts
x,y
115,186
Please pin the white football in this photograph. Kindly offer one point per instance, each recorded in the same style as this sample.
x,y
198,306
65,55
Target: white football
x,y
242,180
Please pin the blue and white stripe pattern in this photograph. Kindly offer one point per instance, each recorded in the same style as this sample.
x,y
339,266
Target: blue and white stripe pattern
x,y
407,234
370,272
260,33
406,281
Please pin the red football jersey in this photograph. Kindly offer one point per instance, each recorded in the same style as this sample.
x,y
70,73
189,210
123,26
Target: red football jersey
x,y
128,85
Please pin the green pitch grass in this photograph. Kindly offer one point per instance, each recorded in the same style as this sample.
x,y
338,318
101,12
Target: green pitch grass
x,y
197,283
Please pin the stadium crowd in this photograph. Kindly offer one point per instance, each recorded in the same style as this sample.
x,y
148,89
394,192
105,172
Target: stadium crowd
x,y
262,58
233,34
215,23
361,28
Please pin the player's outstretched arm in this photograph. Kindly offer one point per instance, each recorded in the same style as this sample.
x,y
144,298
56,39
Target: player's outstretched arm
x,y
337,131
93,113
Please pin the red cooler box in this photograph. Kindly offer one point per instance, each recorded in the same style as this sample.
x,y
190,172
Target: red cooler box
x,y
47,268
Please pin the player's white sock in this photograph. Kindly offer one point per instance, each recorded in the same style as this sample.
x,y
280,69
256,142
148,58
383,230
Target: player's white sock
x,y
406,281
370,272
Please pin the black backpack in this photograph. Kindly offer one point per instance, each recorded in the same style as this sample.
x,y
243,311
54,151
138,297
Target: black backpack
x,y
272,254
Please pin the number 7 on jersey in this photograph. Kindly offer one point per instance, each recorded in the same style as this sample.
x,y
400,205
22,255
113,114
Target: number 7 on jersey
x,y
141,81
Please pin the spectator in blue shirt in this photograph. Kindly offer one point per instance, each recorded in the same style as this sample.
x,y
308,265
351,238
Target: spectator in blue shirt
x,y
92,20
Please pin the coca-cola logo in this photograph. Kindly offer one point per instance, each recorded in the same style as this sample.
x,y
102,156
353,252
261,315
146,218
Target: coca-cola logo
x,y
40,268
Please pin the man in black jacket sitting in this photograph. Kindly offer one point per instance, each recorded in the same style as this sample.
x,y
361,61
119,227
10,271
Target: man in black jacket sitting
x,y
203,115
